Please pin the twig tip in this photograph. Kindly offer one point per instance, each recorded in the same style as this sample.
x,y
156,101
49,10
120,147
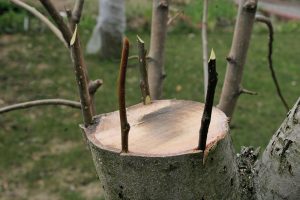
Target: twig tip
x,y
139,39
212,55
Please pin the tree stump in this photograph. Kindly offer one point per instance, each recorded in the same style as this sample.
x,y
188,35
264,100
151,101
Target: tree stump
x,y
163,162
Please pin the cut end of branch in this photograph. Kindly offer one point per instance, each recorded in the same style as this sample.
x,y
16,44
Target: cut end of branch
x,y
73,39
139,39
212,55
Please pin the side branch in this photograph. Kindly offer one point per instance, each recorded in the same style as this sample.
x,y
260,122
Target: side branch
x,y
125,127
144,85
29,104
212,83
66,32
41,17
267,21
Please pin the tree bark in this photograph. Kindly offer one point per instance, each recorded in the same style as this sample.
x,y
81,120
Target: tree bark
x,y
156,71
108,33
237,56
158,167
205,46
279,169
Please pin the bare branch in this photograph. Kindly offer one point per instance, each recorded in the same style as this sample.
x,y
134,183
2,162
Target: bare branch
x,y
156,69
77,10
29,104
245,91
237,56
267,21
66,32
173,18
144,85
204,45
78,63
125,127
206,117
41,17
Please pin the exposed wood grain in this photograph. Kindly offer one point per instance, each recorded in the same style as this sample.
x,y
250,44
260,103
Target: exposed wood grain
x,y
161,128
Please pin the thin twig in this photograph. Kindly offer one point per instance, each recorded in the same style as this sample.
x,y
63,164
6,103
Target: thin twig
x,y
78,62
245,91
206,117
66,32
204,46
144,85
29,104
125,127
267,21
77,10
133,57
173,18
41,17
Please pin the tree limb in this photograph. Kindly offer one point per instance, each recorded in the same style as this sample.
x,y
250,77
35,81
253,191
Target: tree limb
x,y
144,85
204,46
41,17
237,56
77,10
29,104
125,127
206,117
159,27
78,62
66,32
267,21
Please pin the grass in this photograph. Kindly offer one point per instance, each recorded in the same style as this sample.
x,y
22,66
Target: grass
x,y
41,149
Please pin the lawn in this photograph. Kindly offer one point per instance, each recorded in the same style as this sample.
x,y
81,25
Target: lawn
x,y
42,153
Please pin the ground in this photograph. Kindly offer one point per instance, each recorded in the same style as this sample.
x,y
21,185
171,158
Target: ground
x,y
42,153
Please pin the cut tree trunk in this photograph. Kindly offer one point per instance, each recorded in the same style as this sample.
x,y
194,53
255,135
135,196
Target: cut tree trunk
x,y
237,56
279,170
162,162
156,71
108,33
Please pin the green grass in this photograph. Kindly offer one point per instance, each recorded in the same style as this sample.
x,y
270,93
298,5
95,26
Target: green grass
x,y
36,65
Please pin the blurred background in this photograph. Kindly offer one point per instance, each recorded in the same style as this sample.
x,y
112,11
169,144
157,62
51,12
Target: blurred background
x,y
42,153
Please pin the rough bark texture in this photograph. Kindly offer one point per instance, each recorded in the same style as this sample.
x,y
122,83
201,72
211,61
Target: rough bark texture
x,y
129,176
279,170
186,175
237,56
156,70
108,32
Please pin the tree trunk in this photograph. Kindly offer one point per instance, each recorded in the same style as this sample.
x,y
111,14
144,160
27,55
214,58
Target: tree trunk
x,y
279,170
162,162
108,33
156,72
237,56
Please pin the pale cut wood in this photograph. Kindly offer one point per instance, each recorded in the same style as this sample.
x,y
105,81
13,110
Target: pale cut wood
x,y
161,128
